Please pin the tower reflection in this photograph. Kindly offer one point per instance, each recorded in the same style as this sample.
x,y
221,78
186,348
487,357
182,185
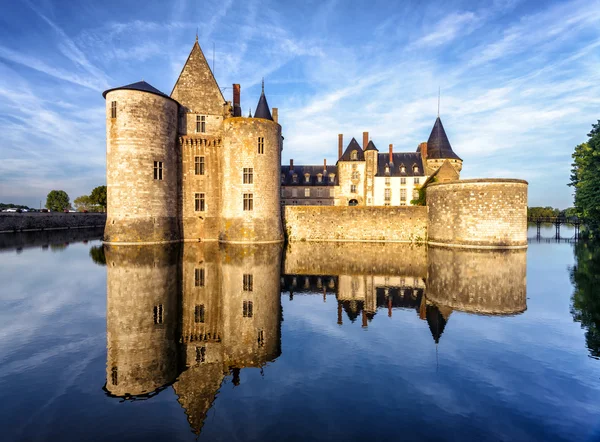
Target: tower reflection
x,y
191,315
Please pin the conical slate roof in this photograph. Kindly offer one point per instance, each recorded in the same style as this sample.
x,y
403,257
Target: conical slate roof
x,y
262,108
438,145
139,86
353,145
371,146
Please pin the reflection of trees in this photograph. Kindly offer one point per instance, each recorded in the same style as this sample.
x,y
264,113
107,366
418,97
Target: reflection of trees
x,y
585,307
97,255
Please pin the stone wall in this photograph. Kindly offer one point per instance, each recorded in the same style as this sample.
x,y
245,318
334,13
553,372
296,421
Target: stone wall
x,y
478,213
15,222
385,224
48,238
141,208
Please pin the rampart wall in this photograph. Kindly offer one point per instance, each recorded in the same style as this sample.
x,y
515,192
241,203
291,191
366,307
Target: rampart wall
x,y
478,213
17,222
360,223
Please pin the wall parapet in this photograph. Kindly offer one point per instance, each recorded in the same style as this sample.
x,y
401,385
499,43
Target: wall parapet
x,y
406,224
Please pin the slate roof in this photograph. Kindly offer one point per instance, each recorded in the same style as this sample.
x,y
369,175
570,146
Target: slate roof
x,y
262,108
353,145
313,171
371,146
139,86
438,145
408,159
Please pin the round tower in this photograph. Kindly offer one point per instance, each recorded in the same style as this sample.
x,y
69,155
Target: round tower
x,y
142,165
251,165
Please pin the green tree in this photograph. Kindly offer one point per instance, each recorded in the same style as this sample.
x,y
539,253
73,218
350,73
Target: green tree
x,y
82,203
542,212
58,200
585,302
98,197
97,255
585,179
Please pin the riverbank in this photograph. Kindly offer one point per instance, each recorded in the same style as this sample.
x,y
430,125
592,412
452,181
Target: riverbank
x,y
23,222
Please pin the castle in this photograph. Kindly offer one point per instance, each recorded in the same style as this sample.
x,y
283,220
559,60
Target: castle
x,y
190,167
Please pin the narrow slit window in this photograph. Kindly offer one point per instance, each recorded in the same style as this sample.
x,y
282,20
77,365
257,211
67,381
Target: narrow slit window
x,y
199,278
199,314
248,175
114,375
199,165
200,354
158,170
248,201
261,144
199,202
247,309
261,338
248,282
353,188
113,109
158,314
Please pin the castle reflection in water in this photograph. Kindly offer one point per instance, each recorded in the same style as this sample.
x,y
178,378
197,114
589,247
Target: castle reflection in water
x,y
188,315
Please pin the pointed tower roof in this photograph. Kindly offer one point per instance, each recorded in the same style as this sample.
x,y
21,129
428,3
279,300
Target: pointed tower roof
x,y
139,86
438,145
436,322
371,146
196,87
353,146
262,108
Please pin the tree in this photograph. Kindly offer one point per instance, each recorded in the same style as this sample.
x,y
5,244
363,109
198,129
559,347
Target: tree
x,y
98,197
97,255
585,179
57,201
82,203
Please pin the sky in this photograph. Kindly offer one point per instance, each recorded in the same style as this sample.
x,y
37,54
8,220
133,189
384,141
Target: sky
x,y
518,79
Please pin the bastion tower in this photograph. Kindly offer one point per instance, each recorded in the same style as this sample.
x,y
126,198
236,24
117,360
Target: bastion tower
x,y
189,167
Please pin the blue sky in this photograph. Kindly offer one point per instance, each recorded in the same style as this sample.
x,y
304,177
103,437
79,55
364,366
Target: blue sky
x,y
519,79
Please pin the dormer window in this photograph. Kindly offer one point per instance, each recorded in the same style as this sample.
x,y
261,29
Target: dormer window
x,y
320,178
354,155
332,178
283,178
402,168
295,178
387,170
307,177
415,169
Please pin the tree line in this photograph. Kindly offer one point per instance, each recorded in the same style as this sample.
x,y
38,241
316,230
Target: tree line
x,y
58,201
550,212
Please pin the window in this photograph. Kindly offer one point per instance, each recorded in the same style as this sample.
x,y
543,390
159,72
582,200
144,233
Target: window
x,y
199,202
200,123
295,178
158,314
261,144
417,180
261,338
415,194
199,165
248,201
158,170
319,178
307,192
319,192
388,195
199,278
115,376
402,194
355,175
387,180
247,309
402,169
199,314
248,282
353,188
200,354
282,178
332,178
248,175
402,180
354,155
113,109
294,193
415,169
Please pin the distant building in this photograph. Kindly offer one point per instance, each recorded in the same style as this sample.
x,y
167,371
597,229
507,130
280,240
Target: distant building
x,y
363,176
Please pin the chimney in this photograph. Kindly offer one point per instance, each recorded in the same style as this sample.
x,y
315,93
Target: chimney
x,y
391,151
275,114
324,163
237,110
340,146
291,164
365,139
423,147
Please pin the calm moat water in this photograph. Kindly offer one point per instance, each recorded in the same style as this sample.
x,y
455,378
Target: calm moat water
x,y
314,342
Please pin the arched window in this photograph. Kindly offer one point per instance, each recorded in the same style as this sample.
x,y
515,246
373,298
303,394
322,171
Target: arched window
x,y
354,155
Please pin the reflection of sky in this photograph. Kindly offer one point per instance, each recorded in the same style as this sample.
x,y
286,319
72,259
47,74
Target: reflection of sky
x,y
524,377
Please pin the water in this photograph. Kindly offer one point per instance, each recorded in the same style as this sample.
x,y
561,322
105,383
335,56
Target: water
x,y
317,342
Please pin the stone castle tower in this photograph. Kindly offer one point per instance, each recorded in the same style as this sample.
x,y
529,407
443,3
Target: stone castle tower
x,y
189,166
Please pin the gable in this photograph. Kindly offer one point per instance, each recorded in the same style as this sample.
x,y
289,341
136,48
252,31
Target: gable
x,y
196,88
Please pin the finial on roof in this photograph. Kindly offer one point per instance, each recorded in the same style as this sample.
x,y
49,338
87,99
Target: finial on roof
x,y
196,34
263,85
439,92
